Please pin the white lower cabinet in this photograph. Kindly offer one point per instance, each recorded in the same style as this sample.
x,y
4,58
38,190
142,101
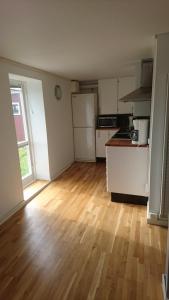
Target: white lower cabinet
x,y
102,136
127,170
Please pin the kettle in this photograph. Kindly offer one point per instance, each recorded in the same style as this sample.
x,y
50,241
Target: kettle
x,y
140,133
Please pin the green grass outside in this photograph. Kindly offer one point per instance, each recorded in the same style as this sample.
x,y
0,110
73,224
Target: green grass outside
x,y
24,161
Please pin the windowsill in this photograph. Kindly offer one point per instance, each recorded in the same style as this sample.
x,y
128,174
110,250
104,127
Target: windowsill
x,y
34,189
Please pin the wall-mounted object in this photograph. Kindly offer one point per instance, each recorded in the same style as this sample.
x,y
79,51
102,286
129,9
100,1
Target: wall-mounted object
x,y
58,92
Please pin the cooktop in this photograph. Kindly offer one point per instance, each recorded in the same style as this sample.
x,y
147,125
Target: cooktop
x,y
122,134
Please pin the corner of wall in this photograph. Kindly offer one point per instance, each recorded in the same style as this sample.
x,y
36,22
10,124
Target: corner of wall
x,y
153,218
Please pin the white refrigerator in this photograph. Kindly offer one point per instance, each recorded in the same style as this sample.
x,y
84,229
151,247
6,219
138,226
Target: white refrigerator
x,y
84,109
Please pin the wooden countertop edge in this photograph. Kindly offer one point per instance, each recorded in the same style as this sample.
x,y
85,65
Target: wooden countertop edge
x,y
123,143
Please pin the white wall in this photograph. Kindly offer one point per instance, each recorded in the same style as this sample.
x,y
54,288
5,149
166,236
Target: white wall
x,y
59,126
59,132
38,128
161,69
142,109
10,180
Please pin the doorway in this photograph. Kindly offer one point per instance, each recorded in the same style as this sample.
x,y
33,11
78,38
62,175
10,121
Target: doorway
x,y
23,132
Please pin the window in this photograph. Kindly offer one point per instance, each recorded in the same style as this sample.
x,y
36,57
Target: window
x,y
25,150
16,109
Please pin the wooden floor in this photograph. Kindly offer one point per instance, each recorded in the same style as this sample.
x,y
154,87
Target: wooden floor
x,y
71,242
34,188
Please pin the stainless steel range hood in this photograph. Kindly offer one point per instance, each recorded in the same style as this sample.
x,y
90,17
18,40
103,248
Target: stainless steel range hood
x,y
144,92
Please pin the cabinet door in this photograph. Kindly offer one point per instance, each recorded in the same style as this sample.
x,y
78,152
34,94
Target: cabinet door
x,y
101,139
125,86
108,89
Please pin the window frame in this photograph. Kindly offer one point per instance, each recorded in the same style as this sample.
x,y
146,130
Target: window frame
x,y
18,104
28,179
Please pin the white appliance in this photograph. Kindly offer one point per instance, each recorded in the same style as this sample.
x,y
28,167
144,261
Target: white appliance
x,y
143,131
84,108
140,132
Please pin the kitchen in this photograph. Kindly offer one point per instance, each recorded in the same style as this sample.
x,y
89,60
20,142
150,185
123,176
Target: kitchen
x,y
131,133
113,125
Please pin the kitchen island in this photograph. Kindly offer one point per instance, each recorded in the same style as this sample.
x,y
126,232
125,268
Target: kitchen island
x,y
127,171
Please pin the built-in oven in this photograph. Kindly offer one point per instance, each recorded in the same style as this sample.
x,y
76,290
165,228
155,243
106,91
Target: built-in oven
x,y
107,121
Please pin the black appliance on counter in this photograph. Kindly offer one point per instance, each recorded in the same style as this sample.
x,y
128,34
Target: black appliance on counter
x,y
107,121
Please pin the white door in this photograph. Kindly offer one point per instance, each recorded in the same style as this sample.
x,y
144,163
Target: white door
x,y
84,110
126,85
108,89
84,144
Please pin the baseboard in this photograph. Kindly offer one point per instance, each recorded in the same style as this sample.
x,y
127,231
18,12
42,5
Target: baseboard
x,y
61,171
24,203
127,198
164,286
100,159
12,212
154,219
21,205
85,161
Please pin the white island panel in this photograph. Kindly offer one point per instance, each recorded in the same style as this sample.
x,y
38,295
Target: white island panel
x,y
127,170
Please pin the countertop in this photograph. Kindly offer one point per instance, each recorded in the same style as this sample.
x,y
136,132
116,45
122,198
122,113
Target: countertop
x,y
122,143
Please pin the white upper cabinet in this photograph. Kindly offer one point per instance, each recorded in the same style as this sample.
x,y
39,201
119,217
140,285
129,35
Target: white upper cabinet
x,y
111,90
125,86
108,89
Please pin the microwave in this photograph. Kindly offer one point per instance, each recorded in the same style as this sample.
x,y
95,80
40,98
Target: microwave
x,y
106,121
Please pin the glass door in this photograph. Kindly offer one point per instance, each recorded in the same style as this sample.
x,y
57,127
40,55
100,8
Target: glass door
x,y
23,134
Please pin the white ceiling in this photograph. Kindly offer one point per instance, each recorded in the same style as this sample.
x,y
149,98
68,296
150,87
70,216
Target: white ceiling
x,y
81,39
